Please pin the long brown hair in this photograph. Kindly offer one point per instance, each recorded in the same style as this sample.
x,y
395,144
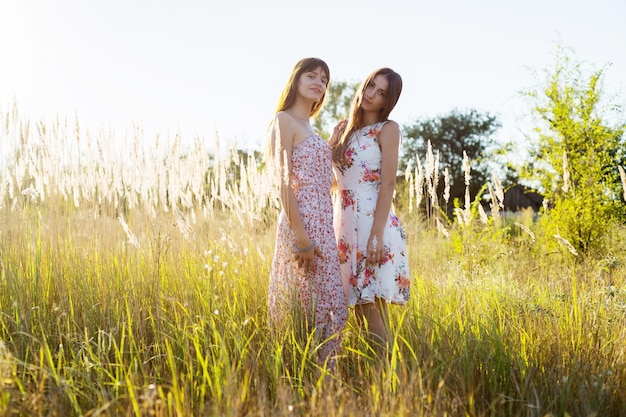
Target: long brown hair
x,y
288,95
355,121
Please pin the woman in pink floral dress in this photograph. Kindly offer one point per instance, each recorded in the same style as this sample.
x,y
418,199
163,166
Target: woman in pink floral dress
x,y
371,240
305,270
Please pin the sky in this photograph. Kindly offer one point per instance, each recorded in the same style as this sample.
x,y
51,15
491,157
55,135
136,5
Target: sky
x,y
206,67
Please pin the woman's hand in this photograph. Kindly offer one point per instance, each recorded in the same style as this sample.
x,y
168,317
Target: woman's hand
x,y
337,132
375,249
305,256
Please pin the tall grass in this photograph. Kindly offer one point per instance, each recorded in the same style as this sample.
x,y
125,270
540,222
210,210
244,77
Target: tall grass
x,y
133,282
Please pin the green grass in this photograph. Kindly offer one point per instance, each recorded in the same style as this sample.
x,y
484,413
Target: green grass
x,y
169,317
94,326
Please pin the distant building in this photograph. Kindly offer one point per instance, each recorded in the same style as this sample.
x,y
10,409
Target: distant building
x,y
517,197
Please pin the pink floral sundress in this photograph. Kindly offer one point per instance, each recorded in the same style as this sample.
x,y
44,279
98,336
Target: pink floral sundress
x,y
358,183
320,293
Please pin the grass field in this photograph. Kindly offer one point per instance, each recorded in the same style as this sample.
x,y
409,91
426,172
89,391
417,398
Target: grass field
x,y
133,282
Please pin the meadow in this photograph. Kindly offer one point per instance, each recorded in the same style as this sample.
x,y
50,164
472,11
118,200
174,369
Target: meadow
x,y
133,279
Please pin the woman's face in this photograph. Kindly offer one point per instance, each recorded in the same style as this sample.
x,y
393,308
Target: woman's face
x,y
375,94
313,84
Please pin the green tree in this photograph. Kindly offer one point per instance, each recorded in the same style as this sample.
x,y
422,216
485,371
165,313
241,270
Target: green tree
x,y
576,155
338,100
450,135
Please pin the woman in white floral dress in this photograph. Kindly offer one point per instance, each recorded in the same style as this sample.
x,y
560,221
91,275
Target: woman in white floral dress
x,y
370,238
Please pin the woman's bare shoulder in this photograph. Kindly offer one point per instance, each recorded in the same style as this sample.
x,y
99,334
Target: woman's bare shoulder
x,y
390,126
389,135
284,126
282,117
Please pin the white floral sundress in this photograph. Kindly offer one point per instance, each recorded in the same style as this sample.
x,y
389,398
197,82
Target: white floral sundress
x,y
358,182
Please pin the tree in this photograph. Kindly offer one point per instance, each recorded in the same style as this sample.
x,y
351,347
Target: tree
x,y
450,135
576,155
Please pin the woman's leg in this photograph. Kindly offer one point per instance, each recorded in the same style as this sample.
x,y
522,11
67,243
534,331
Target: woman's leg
x,y
377,317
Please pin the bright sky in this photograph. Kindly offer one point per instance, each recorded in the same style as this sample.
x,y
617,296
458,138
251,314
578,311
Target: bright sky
x,y
201,66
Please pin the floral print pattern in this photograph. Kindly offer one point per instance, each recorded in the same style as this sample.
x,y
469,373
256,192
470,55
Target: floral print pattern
x,y
358,182
319,293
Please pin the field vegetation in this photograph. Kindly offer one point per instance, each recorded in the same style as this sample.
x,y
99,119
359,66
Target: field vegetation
x,y
133,280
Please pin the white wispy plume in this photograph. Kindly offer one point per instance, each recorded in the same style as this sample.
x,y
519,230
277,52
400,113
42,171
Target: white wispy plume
x,y
567,244
446,185
132,239
441,228
30,192
419,183
498,189
104,175
466,169
526,229
483,216
432,174
566,175
408,177
622,175
495,207
3,192
182,223
467,211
